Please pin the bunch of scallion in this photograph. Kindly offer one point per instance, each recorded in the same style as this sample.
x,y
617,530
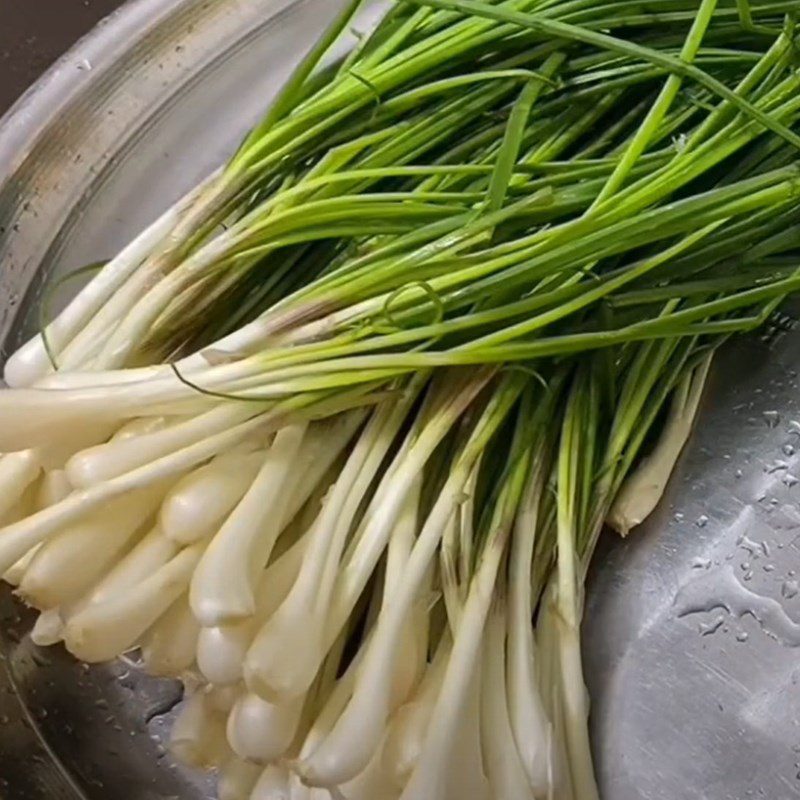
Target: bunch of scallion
x,y
334,438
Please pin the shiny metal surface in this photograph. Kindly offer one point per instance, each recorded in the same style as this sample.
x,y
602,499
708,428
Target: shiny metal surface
x,y
702,705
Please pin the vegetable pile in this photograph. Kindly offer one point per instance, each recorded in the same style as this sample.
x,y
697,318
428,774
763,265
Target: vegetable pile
x,y
334,438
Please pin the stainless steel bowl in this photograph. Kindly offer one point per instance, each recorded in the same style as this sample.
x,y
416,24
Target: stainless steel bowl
x,y
687,703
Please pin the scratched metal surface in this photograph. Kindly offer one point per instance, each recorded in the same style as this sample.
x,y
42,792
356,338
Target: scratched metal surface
x,y
699,706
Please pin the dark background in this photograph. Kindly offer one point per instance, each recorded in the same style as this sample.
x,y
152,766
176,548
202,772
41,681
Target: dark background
x,y
34,33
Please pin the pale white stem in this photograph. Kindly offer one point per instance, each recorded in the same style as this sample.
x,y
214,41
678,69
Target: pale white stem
x,y
375,506
427,781
74,436
168,648
576,712
261,731
71,418
502,764
106,461
84,378
48,628
21,509
299,791
223,586
138,426
103,631
461,774
16,539
529,721
199,503
237,779
149,555
323,687
133,327
71,562
313,330
364,556
304,519
272,784
287,652
54,488
207,371
407,726
82,351
30,362
645,486
221,649
559,642
333,707
448,560
351,744
559,779
402,539
198,733
414,637
85,348
48,413
269,328
467,525
411,653
17,471
371,784
223,698
15,573
324,444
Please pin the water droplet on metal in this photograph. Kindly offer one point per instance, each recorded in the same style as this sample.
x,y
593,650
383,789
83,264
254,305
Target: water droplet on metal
x,y
790,589
701,563
741,636
701,521
772,418
709,628
754,548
